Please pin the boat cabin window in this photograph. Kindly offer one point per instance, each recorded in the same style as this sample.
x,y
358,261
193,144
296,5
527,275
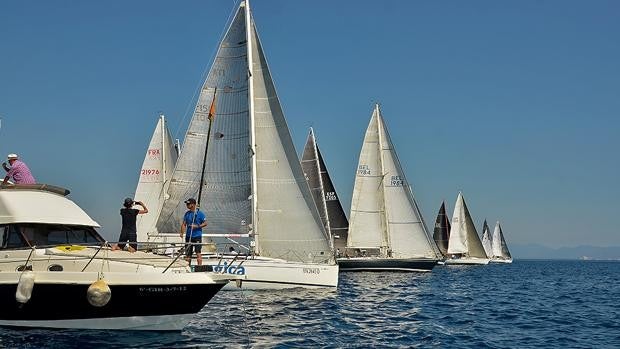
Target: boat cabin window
x,y
26,235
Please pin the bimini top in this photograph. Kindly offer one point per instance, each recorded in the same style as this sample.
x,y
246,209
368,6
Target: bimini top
x,y
40,203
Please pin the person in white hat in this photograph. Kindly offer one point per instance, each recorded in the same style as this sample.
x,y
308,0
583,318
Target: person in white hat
x,y
19,171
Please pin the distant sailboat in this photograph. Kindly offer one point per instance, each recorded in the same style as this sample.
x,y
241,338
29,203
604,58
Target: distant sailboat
x,y
159,161
386,230
486,239
500,248
464,246
441,233
255,195
324,194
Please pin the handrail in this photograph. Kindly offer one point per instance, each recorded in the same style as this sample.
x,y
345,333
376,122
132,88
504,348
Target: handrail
x,y
94,255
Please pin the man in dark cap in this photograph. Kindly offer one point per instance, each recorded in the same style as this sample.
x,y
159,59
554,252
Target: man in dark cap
x,y
193,222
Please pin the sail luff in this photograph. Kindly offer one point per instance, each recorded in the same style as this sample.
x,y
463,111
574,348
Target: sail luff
x,y
250,63
386,248
318,166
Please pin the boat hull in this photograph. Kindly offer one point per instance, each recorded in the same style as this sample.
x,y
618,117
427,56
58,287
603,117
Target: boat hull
x,y
271,274
386,264
138,302
503,261
467,261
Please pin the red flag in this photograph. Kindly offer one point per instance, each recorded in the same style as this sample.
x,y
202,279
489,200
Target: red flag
x,y
212,109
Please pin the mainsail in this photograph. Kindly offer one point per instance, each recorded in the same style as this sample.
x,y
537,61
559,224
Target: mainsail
x,y
384,214
500,248
324,193
464,239
154,179
253,182
486,239
441,232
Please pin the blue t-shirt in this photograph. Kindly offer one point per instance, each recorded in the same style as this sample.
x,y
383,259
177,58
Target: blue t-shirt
x,y
189,219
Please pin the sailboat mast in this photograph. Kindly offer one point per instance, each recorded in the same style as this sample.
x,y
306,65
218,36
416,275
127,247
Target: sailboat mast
x,y
386,225
248,33
318,166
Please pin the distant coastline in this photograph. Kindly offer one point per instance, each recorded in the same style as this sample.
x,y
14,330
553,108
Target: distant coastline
x,y
540,252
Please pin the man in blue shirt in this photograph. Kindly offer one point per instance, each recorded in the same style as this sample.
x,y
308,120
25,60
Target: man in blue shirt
x,y
193,222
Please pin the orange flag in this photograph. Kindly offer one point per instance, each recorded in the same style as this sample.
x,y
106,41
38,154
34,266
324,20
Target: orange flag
x,y
212,109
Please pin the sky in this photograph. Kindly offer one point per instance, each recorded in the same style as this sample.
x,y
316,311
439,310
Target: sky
x,y
516,104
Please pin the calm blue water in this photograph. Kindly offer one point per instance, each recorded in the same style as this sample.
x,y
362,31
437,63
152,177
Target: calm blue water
x,y
529,304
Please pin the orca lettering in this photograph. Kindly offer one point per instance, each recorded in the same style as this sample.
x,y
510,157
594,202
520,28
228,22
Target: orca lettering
x,y
234,269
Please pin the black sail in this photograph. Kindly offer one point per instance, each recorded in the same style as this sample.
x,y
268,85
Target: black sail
x,y
324,194
441,233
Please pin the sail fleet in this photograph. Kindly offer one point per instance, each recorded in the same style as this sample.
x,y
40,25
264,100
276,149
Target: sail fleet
x,y
275,220
280,217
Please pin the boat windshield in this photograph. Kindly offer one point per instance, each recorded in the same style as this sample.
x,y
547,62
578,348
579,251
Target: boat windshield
x,y
29,235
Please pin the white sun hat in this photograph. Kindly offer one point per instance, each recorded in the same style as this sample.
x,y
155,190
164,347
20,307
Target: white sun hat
x,y
12,156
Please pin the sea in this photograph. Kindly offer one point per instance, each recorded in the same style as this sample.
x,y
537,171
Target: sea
x,y
527,304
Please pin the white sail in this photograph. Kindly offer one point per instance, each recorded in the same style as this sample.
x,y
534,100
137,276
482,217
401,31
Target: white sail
x,y
154,179
500,248
384,213
253,181
464,239
288,224
367,226
486,239
407,233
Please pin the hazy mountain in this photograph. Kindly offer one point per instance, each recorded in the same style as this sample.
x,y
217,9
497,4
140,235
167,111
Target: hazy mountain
x,y
533,251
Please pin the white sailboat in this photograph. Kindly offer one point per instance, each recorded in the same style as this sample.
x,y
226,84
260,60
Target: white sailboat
x,y
486,239
155,174
386,231
324,195
464,245
500,252
255,195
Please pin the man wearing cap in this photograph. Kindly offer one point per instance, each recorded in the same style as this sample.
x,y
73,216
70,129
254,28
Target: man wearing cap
x,y
19,171
193,222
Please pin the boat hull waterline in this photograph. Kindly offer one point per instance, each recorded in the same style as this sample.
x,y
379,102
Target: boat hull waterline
x,y
386,264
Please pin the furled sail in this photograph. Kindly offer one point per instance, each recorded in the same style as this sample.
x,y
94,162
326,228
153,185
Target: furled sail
x,y
154,179
441,232
500,248
253,182
486,239
384,213
463,236
324,194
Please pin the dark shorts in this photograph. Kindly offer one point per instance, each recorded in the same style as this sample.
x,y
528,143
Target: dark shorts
x,y
191,248
128,235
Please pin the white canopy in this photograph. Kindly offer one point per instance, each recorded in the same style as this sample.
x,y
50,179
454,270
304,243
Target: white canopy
x,y
37,205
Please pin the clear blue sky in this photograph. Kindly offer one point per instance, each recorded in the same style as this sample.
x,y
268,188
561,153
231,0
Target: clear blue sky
x,y
515,103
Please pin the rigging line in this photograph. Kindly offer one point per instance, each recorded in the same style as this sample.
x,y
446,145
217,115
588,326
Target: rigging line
x,y
205,71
